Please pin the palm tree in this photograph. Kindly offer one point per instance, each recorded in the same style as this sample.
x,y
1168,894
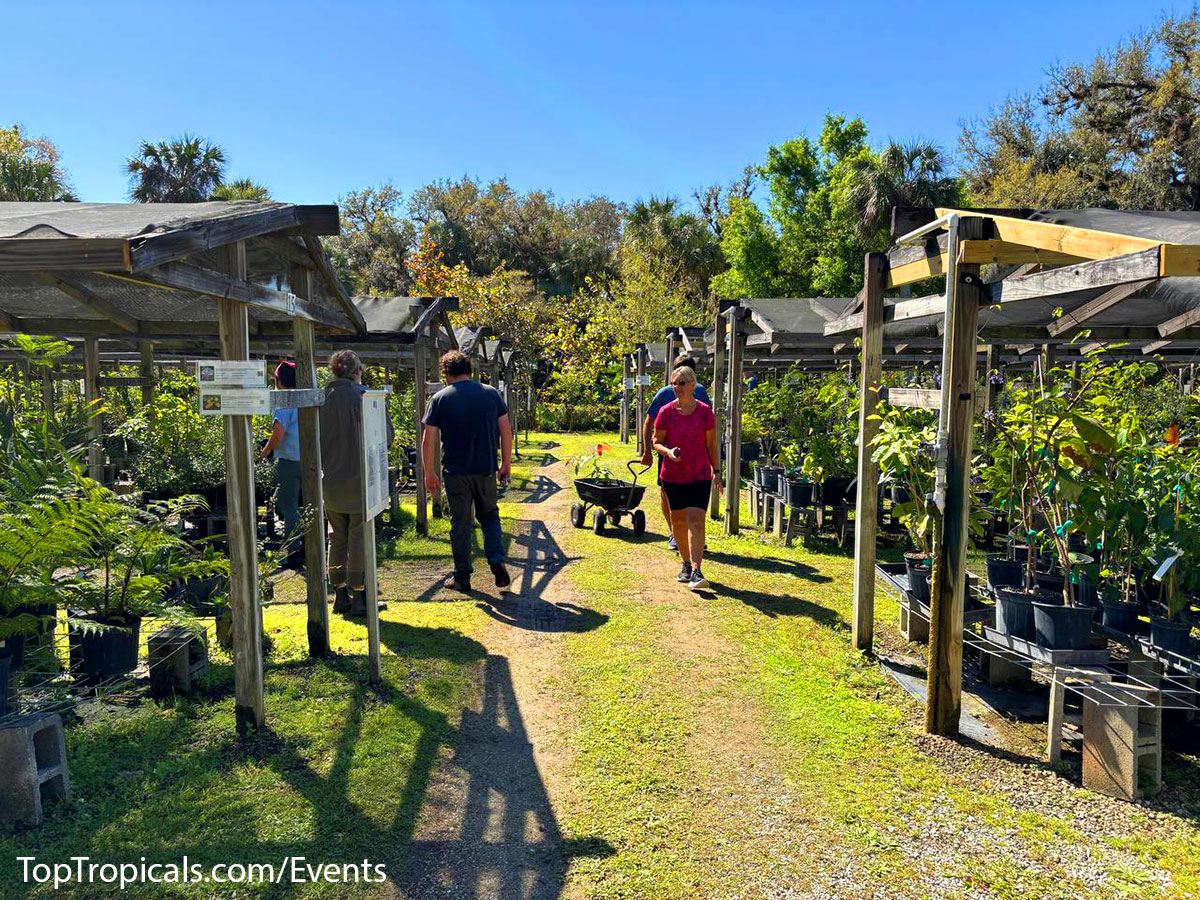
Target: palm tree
x,y
903,174
241,189
24,178
182,170
660,227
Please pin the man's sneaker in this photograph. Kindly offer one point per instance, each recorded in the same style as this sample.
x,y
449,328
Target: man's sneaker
x,y
501,573
697,582
461,584
671,543
685,574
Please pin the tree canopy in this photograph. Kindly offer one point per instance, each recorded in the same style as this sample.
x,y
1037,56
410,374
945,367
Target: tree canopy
x,y
30,169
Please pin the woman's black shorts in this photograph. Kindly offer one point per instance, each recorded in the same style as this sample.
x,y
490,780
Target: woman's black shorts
x,y
688,494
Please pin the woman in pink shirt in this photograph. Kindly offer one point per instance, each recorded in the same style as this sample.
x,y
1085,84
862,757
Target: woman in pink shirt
x,y
685,437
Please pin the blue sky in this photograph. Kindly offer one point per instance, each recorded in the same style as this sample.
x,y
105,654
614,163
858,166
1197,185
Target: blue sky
x,y
623,99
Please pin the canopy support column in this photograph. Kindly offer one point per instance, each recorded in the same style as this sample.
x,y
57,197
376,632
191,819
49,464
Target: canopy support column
x,y
249,705
91,395
309,422
418,415
146,371
718,392
641,397
733,451
625,398
866,517
948,593
669,361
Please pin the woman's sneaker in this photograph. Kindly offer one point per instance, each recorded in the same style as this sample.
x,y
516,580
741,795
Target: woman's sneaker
x,y
697,581
685,574
671,544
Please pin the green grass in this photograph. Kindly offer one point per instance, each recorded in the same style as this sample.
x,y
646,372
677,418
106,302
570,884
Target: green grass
x,y
342,770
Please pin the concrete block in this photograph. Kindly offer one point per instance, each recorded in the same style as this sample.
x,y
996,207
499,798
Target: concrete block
x,y
178,658
33,767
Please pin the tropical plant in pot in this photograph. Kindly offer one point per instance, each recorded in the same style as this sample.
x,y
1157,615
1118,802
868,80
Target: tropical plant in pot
x,y
133,557
1040,436
900,452
1178,521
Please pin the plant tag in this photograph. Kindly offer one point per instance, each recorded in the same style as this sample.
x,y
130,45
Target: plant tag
x,y
1162,571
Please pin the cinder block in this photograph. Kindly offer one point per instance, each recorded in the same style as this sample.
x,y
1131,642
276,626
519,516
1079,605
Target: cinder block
x,y
33,767
1122,744
178,658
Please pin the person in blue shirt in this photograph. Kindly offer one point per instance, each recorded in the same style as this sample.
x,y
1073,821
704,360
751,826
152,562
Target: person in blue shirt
x,y
665,395
284,445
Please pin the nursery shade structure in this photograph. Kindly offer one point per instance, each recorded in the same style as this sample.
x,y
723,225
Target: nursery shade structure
x,y
225,272
1118,276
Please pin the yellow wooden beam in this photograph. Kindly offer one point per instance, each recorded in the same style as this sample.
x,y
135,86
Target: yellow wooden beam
x,y
918,270
1179,259
1005,253
1085,243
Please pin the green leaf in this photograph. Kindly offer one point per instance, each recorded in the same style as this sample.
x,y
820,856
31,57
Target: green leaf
x,y
1093,432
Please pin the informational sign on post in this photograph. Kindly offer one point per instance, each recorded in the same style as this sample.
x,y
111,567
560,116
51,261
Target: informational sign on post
x,y
645,380
629,385
233,387
375,451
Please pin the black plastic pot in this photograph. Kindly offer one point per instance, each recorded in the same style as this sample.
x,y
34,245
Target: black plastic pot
x,y
771,476
1014,612
799,492
1052,581
1003,572
834,489
1120,616
196,594
1174,637
917,567
97,655
5,673
898,494
1059,627
750,450
20,645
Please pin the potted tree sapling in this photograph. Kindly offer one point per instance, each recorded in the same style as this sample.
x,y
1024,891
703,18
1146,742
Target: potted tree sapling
x,y
1178,573
903,462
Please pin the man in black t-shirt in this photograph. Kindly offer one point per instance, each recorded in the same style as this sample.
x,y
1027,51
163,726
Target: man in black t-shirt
x,y
471,420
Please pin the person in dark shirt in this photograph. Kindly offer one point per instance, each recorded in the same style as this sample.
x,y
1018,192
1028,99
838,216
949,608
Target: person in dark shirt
x,y
663,397
471,421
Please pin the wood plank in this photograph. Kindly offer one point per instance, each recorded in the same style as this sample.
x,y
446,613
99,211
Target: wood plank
x,y
91,300
1095,306
1003,253
149,251
1180,259
640,394
718,393
866,523
297,398
311,488
186,277
31,255
317,251
249,704
1087,243
733,444
907,219
1154,347
91,397
146,371
951,534
899,311
1179,323
1102,273
913,398
422,499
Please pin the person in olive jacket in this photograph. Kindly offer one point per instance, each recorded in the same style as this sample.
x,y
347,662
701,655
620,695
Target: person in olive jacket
x,y
341,481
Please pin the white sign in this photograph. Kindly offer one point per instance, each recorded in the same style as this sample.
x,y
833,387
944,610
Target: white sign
x,y
250,373
629,384
375,452
234,401
645,380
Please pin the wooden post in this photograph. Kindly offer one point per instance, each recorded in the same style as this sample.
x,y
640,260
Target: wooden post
x,y
624,398
91,395
733,450
418,415
431,377
947,595
370,578
1047,361
718,392
866,520
310,473
48,391
670,358
991,367
146,371
639,424
249,707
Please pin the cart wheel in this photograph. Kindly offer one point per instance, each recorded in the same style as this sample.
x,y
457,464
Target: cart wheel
x,y
577,515
598,522
639,522
615,518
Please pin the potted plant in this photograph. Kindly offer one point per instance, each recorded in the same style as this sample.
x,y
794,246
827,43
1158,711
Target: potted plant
x,y
797,488
134,556
1178,521
903,462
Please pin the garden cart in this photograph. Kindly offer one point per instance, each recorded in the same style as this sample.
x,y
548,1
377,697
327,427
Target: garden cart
x,y
611,499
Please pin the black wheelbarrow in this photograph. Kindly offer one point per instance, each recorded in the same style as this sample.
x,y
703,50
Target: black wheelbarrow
x,y
610,499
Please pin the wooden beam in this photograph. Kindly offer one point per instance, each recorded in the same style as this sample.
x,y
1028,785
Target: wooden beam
x,y
317,251
32,255
286,249
1004,253
1141,267
146,371
1086,243
311,488
733,445
428,314
422,499
1154,347
1180,259
249,704
185,277
91,396
92,301
1179,323
719,387
625,392
298,398
866,522
899,311
640,394
906,219
1094,307
951,533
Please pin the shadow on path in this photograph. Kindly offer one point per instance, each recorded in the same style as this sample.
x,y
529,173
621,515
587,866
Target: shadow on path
x,y
542,489
774,605
770,564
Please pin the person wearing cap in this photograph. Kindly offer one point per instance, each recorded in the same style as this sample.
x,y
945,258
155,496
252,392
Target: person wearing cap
x,y
664,396
284,446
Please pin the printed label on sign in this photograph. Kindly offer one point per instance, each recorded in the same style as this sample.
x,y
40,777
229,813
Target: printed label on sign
x,y
234,401
629,384
645,380
250,373
375,452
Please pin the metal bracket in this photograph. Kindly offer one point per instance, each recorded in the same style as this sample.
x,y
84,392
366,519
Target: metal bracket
x,y
970,278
